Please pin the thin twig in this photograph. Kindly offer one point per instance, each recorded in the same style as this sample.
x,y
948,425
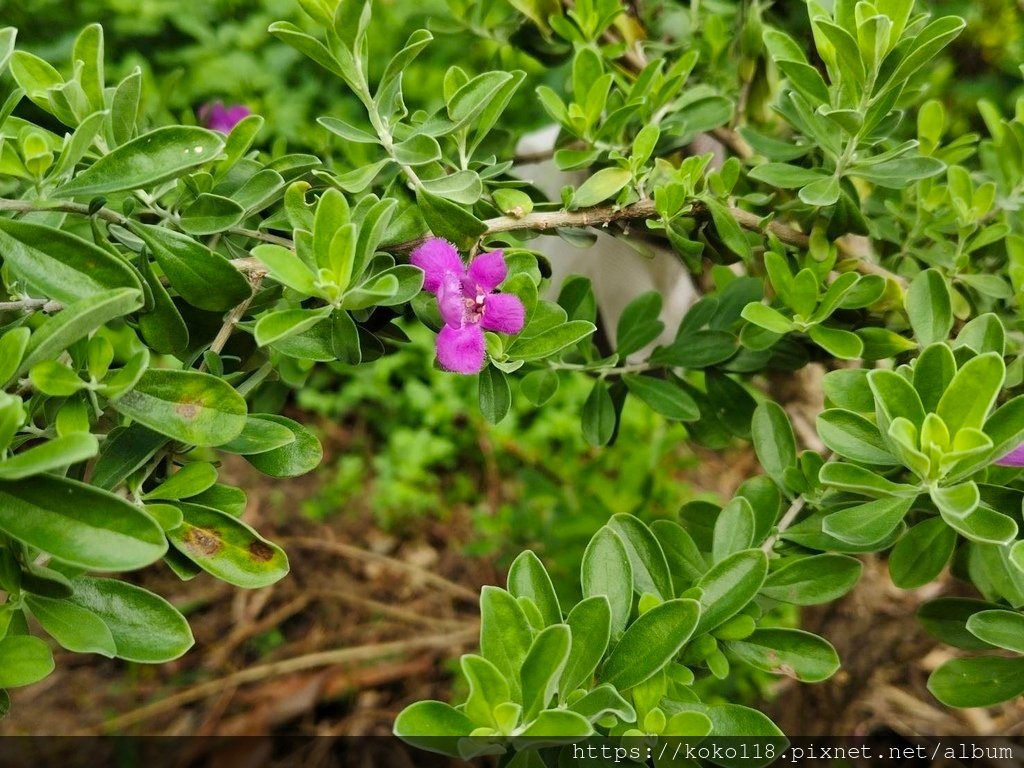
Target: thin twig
x,y
359,653
788,518
375,606
539,221
31,305
231,320
358,553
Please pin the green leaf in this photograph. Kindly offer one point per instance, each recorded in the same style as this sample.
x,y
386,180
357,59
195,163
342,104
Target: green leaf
x,y
54,454
154,157
929,307
60,265
791,652
606,570
124,107
298,457
731,720
921,553
434,726
956,500
487,689
260,435
651,642
226,498
281,325
813,580
145,627
663,396
552,727
527,577
604,701
162,327
853,437
972,392
767,317
895,397
685,562
933,371
539,386
773,438
598,415
946,619
638,324
227,548
286,268
27,660
696,349
837,342
728,229
550,341
191,480
734,529
590,622
188,406
867,524
1003,629
12,348
647,560
821,193
448,220
495,395
76,321
209,214
542,668
77,629
983,525
900,172
79,524
205,279
166,516
851,477
977,682
505,634
786,176
729,585
606,183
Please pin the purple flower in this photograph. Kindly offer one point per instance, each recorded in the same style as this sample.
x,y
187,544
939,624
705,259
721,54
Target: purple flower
x,y
1014,458
215,116
467,302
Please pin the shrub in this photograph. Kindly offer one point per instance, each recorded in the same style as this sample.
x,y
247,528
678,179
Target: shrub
x,y
162,278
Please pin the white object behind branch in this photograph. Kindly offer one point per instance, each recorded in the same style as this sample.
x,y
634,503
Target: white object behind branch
x,y
619,274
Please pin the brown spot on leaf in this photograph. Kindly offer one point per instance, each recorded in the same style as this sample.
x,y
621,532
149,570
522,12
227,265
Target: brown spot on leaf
x,y
204,541
260,551
187,410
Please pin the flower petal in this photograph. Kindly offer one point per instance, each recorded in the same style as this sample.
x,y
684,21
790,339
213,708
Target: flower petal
x,y
488,270
504,313
217,117
461,349
450,301
436,257
1014,458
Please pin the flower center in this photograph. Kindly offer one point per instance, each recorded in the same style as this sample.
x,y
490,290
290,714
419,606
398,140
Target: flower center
x,y
475,307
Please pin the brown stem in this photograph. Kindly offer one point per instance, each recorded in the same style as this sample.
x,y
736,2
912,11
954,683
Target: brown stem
x,y
31,305
446,641
542,221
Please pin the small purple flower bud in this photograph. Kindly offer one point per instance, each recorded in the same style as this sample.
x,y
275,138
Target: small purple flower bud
x,y
217,117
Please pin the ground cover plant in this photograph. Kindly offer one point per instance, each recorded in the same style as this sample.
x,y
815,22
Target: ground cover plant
x,y
174,272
